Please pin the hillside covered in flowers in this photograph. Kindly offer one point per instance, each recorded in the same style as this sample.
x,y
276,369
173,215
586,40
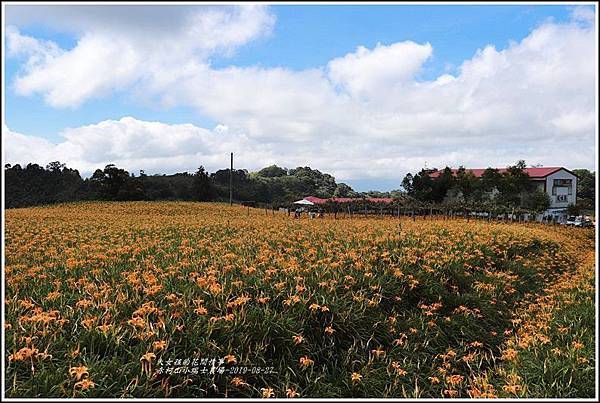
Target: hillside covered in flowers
x,y
183,299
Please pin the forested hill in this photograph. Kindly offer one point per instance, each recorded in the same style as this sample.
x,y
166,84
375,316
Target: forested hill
x,y
274,186
34,185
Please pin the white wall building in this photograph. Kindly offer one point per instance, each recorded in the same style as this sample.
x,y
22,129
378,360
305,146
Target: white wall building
x,y
558,182
561,186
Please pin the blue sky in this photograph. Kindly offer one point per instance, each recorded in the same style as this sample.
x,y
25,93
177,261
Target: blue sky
x,y
307,36
296,39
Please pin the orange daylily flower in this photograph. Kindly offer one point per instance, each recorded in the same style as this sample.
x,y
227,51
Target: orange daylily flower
x,y
78,372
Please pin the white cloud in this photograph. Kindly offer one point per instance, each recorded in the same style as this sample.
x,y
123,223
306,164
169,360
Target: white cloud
x,y
37,51
363,115
583,14
368,73
113,53
20,148
133,144
575,122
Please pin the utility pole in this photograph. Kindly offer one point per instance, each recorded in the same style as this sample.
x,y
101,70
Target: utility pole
x,y
231,182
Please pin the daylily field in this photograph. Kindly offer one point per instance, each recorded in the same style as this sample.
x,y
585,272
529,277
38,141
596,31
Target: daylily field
x,y
137,299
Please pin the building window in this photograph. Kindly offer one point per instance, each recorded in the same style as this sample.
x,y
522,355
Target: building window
x,y
562,183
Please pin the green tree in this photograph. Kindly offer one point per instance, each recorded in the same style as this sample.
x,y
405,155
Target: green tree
x,y
202,185
490,179
514,185
573,209
396,193
55,166
114,183
466,183
35,185
586,183
537,201
442,184
419,186
272,171
343,190
407,184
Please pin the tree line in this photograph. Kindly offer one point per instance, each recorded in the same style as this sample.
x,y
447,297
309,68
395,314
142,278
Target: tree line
x,y
56,183
276,186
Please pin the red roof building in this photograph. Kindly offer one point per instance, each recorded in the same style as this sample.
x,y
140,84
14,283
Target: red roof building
x,y
559,183
318,200
315,200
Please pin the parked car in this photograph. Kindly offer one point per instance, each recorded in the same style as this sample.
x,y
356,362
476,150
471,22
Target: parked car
x,y
579,221
571,220
583,223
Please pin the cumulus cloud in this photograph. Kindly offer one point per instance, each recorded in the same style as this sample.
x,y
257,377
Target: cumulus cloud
x,y
133,144
498,95
113,53
21,148
365,114
368,72
162,148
